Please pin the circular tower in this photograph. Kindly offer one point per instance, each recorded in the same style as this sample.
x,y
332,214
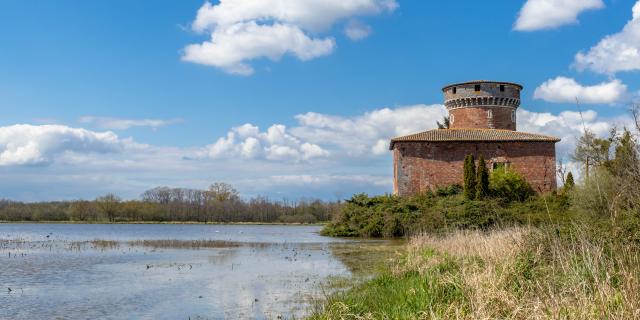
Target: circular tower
x,y
482,104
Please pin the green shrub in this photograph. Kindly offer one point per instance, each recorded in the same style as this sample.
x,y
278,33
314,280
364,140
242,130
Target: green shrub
x,y
449,191
509,185
392,216
596,194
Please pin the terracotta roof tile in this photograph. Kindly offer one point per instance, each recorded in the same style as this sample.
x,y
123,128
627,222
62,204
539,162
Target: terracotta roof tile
x,y
443,135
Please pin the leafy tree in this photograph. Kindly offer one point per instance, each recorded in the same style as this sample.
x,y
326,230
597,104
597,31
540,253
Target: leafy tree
x,y
626,155
592,151
469,177
445,123
482,179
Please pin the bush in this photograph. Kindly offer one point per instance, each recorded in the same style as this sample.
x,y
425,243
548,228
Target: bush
x,y
476,215
509,185
596,194
449,191
392,216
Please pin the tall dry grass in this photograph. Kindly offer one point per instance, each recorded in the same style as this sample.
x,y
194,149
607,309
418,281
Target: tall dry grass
x,y
527,273
517,273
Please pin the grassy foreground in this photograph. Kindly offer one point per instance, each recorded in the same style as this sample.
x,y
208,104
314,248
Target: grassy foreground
x,y
514,273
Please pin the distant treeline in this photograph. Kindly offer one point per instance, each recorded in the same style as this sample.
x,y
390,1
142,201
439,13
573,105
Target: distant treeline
x,y
220,203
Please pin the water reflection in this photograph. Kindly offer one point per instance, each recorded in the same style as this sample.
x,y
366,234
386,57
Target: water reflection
x,y
170,272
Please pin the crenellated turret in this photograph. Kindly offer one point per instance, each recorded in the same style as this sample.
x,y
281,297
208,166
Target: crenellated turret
x,y
482,104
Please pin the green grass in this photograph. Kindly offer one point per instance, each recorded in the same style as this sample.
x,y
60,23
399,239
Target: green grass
x,y
513,273
400,297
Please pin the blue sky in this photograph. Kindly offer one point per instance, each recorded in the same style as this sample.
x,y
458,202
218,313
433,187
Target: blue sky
x,y
120,96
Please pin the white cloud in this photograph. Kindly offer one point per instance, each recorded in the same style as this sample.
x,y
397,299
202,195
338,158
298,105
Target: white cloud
x,y
549,14
124,124
567,125
357,30
367,134
276,144
244,30
36,145
230,47
320,135
313,15
617,52
567,90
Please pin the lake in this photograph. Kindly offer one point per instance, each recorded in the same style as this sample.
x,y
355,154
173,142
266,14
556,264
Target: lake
x,y
74,271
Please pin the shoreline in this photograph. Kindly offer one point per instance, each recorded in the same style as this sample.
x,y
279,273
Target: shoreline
x,y
168,223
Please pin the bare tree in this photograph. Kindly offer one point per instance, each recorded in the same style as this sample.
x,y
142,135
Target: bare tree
x,y
81,210
561,170
222,192
109,205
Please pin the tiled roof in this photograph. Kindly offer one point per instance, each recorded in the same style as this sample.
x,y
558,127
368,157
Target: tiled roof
x,y
443,135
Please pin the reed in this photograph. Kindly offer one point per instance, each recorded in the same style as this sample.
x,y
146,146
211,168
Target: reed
x,y
515,273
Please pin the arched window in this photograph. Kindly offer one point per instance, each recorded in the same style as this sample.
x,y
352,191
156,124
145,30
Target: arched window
x,y
513,116
489,114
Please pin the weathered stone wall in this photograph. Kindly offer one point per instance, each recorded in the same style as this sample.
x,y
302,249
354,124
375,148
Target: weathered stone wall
x,y
479,117
421,166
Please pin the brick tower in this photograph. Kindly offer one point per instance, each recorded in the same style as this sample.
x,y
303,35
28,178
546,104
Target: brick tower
x,y
482,104
482,118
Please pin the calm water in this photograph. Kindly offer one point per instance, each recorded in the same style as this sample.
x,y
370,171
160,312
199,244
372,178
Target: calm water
x,y
254,272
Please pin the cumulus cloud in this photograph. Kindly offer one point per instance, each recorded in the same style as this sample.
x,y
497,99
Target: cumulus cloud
x,y
357,30
124,124
567,90
230,47
37,145
321,135
314,15
616,52
276,144
369,133
244,30
549,14
567,125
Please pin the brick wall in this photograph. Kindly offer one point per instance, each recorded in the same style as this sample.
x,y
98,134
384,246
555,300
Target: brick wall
x,y
420,166
478,117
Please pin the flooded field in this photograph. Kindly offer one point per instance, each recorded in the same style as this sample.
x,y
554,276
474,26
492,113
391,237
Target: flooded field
x,y
173,271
